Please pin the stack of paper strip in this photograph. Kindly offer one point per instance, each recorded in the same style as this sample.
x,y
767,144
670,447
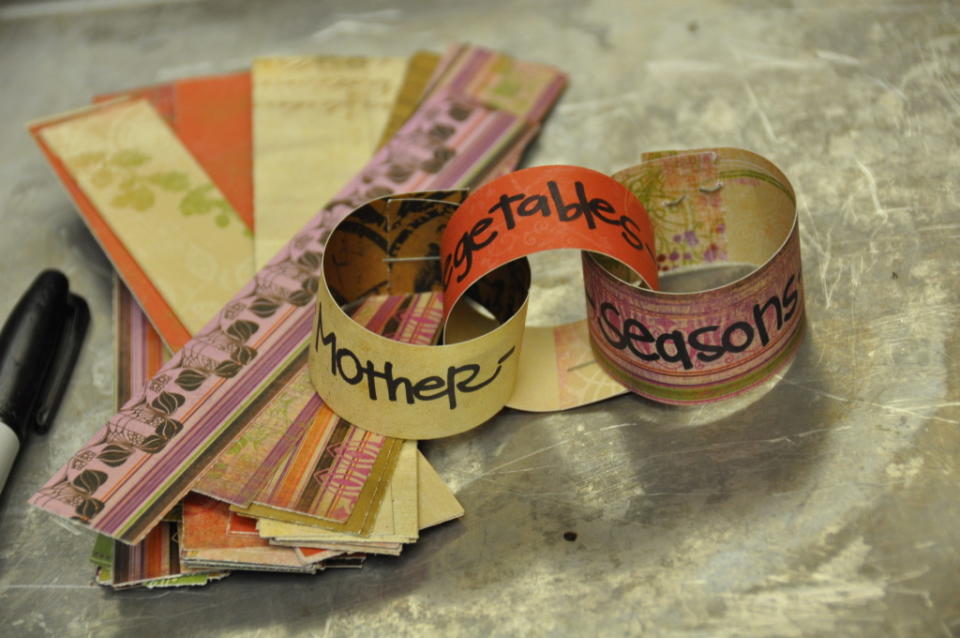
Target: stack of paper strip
x,y
222,457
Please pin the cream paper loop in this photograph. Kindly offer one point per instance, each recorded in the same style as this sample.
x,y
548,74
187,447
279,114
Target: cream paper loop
x,y
398,389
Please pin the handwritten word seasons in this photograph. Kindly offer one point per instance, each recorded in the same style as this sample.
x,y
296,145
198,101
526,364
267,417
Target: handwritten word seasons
x,y
588,211
344,363
677,346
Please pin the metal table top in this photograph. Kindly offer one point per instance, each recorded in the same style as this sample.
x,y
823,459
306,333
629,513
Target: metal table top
x,y
824,503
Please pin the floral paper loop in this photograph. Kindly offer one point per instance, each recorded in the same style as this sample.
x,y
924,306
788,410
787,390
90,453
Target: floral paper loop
x,y
715,211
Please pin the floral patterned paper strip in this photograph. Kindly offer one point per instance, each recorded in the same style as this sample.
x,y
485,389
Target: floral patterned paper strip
x,y
159,203
710,207
148,455
211,115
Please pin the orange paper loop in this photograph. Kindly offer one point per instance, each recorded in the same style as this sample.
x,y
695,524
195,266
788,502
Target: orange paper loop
x,y
539,209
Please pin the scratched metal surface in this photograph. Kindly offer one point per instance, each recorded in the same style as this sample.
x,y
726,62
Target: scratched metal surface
x,y
823,504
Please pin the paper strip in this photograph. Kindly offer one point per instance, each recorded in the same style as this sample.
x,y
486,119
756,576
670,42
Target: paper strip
x,y
420,68
212,534
212,117
316,122
396,521
152,563
724,206
158,202
436,504
139,351
155,561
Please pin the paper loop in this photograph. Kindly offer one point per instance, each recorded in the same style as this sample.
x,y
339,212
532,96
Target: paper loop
x,y
720,207
725,206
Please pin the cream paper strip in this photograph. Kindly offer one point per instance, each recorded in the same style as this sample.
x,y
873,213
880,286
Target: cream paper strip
x,y
316,122
160,203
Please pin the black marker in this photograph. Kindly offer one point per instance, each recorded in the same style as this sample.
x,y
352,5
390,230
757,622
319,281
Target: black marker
x,y
39,345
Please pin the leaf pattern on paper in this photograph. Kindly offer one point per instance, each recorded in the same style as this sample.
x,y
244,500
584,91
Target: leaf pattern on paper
x,y
145,426
89,480
190,379
85,160
114,455
138,197
170,180
129,158
198,202
167,402
79,492
137,187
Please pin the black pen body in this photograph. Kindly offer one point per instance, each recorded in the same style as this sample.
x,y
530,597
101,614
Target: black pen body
x,y
28,343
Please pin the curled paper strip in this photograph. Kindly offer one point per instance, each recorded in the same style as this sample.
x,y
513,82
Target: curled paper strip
x,y
673,347
722,207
